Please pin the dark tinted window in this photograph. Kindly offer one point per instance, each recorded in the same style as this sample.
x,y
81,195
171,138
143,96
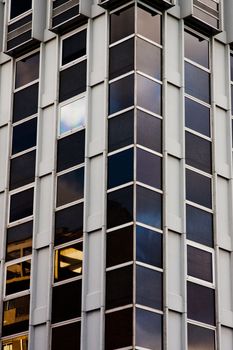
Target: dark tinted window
x,y
120,207
72,81
25,103
200,338
197,117
74,47
69,224
19,7
120,168
24,136
21,205
121,131
149,24
66,157
149,94
199,263
66,336
121,58
149,207
196,49
121,24
199,225
149,131
18,277
198,188
70,186
198,152
149,246
149,329
70,307
121,94
22,170
149,168
19,241
197,82
148,58
27,70
201,308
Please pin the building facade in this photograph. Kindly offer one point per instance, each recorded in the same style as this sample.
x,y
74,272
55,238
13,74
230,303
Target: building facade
x,y
116,208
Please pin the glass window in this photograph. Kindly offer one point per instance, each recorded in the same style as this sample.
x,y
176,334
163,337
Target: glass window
x,y
15,315
121,94
199,225
200,338
197,117
121,58
66,336
19,241
199,263
149,168
119,287
27,69
74,47
197,82
68,262
149,287
66,157
201,309
120,168
121,24
149,330
196,49
19,7
198,152
149,131
119,329
73,81
120,207
69,224
70,186
198,188
25,102
149,207
148,58
22,170
149,24
70,307
18,277
24,136
119,246
149,94
149,246
21,205
121,131
72,116
16,343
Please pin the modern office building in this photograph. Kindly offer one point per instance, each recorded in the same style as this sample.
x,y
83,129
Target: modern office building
x,y
116,207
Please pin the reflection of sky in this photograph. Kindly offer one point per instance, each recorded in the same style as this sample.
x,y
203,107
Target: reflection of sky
x,y
72,115
148,329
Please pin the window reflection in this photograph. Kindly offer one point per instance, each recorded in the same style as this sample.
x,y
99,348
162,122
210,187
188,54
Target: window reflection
x,y
72,116
70,186
196,49
149,329
197,117
149,24
198,188
27,70
121,94
121,24
199,263
197,82
66,337
120,168
149,94
18,277
149,248
15,315
19,241
17,343
200,338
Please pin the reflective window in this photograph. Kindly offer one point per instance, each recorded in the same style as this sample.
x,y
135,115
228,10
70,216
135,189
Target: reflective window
x,y
18,277
69,224
149,168
197,82
121,94
70,186
149,94
21,205
197,117
66,336
121,58
19,241
74,47
149,131
200,338
25,103
196,49
68,262
148,58
199,263
149,329
22,171
24,136
120,207
120,168
149,246
121,131
16,343
121,24
19,7
72,116
201,309
27,69
149,24
198,188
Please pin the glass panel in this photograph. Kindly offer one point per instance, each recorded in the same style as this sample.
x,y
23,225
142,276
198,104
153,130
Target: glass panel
x,y
119,287
121,24
149,168
70,294
149,207
199,225
149,94
201,309
120,168
196,49
70,187
74,47
25,103
149,131
66,157
24,136
120,207
148,58
149,329
149,24
17,343
149,287
121,131
200,338
197,117
119,329
15,315
66,336
198,152
68,262
19,241
73,81
69,224
121,58
27,70
121,94
197,82
199,264
18,277
149,247
198,188
22,170
119,246
19,7
72,116
21,205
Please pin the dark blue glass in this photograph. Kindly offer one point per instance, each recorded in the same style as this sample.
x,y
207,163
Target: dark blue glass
x,y
197,82
120,207
149,330
198,188
121,94
149,246
149,207
120,168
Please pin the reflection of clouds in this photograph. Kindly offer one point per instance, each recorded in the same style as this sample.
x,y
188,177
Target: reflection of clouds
x,y
148,329
200,338
72,115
